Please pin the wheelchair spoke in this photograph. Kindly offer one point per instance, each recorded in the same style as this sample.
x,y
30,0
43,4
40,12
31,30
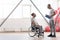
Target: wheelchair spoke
x,y
31,32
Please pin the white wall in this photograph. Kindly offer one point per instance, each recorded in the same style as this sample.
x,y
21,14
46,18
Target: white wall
x,y
6,7
58,1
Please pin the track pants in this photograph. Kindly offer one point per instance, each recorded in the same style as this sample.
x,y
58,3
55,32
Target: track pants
x,y
52,27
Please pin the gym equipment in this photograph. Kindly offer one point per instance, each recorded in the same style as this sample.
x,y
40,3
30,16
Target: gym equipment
x,y
57,29
47,29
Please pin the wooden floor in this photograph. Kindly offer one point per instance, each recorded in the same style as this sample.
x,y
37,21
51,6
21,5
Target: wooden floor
x,y
25,36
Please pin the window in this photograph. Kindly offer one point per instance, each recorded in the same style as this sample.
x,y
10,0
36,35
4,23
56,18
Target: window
x,y
26,11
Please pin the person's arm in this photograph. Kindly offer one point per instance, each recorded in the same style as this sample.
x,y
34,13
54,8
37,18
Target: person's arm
x,y
53,14
48,16
33,23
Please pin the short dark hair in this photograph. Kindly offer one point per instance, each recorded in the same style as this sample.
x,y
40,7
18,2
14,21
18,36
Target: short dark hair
x,y
49,5
33,14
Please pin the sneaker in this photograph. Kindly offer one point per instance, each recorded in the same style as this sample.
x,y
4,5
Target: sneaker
x,y
53,35
50,35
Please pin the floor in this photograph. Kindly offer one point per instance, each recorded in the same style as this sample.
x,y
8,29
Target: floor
x,y
25,36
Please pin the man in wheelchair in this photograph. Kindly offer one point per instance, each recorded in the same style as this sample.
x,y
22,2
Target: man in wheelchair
x,y
35,25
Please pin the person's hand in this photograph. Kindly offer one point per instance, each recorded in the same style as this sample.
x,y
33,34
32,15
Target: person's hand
x,y
47,16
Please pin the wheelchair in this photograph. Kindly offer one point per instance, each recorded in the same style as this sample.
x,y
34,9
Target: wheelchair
x,y
33,31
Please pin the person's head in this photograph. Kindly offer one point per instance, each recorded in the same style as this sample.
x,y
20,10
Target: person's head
x,y
33,15
49,6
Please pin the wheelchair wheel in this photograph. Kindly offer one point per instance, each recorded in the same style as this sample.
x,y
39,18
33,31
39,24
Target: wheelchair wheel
x,y
32,32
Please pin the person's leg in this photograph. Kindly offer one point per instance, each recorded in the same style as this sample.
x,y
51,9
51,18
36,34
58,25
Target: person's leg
x,y
33,28
50,29
41,32
54,31
40,29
